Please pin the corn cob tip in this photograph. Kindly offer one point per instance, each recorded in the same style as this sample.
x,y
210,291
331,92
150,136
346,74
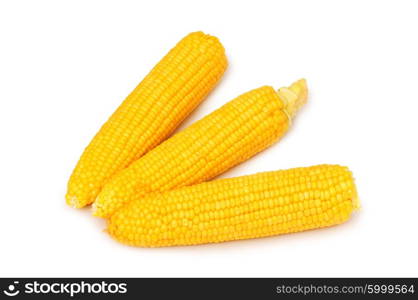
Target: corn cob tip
x,y
295,96
355,200
96,210
73,202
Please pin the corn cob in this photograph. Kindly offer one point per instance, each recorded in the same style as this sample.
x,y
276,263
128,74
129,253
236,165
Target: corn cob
x,y
252,206
176,85
209,147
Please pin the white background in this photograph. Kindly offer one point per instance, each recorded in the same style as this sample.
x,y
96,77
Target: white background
x,y
66,65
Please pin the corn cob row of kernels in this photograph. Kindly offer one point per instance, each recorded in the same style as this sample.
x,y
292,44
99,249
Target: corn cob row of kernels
x,y
230,135
176,85
253,206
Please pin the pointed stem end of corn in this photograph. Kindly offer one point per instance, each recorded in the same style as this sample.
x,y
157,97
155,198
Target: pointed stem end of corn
x,y
294,96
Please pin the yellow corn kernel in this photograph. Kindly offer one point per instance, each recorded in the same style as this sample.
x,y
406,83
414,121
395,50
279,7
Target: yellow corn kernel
x,y
232,134
237,208
170,92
